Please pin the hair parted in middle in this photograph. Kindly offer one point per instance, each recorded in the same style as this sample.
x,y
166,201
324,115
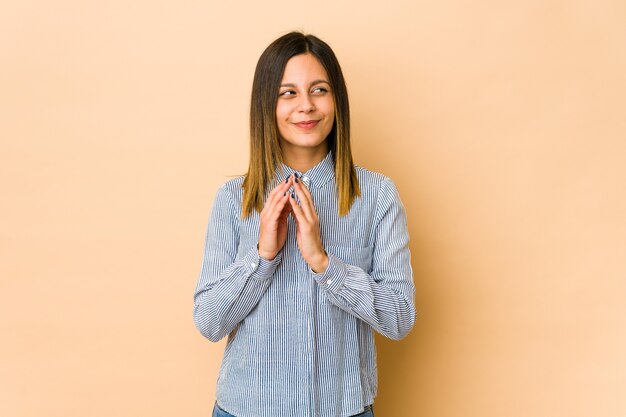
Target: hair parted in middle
x,y
265,150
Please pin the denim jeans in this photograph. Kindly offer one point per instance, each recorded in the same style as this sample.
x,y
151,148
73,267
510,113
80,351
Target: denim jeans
x,y
218,412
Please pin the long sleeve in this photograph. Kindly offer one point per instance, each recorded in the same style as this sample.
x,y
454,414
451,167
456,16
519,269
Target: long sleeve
x,y
298,341
384,296
229,287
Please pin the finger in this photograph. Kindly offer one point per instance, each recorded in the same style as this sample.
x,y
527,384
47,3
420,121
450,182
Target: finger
x,y
277,209
303,223
306,200
280,188
278,192
303,190
281,201
286,210
296,210
304,186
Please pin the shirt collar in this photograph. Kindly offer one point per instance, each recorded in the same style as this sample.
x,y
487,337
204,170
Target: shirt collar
x,y
315,177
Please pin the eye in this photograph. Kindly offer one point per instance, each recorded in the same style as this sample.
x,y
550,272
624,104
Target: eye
x,y
287,93
320,90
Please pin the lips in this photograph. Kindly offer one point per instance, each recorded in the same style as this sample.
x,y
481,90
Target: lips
x,y
307,124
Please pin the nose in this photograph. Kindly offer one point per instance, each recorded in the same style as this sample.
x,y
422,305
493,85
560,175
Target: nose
x,y
306,104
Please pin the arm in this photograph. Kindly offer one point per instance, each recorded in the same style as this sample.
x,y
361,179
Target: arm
x,y
228,288
383,298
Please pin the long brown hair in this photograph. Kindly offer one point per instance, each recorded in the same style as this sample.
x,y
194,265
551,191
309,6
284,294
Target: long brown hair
x,y
265,151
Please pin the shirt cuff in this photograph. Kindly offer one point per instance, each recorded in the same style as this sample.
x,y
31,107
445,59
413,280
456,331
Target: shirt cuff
x,y
334,275
258,267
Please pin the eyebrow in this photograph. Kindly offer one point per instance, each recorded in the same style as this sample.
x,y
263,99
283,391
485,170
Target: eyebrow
x,y
316,82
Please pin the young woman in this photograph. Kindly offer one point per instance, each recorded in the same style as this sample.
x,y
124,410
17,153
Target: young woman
x,y
305,255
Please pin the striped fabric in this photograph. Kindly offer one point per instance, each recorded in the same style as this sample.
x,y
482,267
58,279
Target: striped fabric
x,y
300,344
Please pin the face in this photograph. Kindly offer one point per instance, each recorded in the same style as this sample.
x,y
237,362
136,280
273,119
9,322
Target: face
x,y
305,110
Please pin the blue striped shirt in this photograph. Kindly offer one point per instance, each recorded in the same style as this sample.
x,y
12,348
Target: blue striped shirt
x,y
300,344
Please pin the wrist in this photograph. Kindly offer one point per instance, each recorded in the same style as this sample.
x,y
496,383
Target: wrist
x,y
265,254
319,264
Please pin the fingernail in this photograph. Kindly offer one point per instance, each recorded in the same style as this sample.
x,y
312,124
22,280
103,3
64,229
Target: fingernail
x,y
296,179
293,194
296,175
285,193
287,179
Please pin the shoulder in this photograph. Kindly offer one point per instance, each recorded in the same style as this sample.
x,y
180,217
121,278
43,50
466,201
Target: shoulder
x,y
233,185
377,190
230,192
373,181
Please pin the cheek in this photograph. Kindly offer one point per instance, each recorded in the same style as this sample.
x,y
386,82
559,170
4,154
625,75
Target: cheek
x,y
282,113
330,114
329,109
281,120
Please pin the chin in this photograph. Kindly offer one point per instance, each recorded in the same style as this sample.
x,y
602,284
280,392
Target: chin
x,y
312,145
306,142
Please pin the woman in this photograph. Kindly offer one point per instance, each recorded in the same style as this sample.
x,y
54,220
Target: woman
x,y
305,255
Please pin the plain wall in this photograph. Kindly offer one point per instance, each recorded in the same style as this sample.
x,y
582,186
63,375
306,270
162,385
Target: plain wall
x,y
502,122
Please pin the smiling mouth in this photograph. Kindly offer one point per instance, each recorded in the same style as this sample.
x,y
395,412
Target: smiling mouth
x,y
309,124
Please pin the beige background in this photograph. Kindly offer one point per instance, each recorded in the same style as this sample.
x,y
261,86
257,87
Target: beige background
x,y
502,123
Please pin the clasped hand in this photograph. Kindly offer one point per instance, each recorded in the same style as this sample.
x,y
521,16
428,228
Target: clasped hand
x,y
273,228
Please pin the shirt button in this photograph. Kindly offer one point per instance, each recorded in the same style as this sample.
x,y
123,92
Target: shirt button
x,y
253,264
330,281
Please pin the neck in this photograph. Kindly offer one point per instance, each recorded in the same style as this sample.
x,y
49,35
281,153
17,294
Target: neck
x,y
303,159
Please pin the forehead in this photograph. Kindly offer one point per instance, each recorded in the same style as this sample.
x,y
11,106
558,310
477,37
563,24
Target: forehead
x,y
304,68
